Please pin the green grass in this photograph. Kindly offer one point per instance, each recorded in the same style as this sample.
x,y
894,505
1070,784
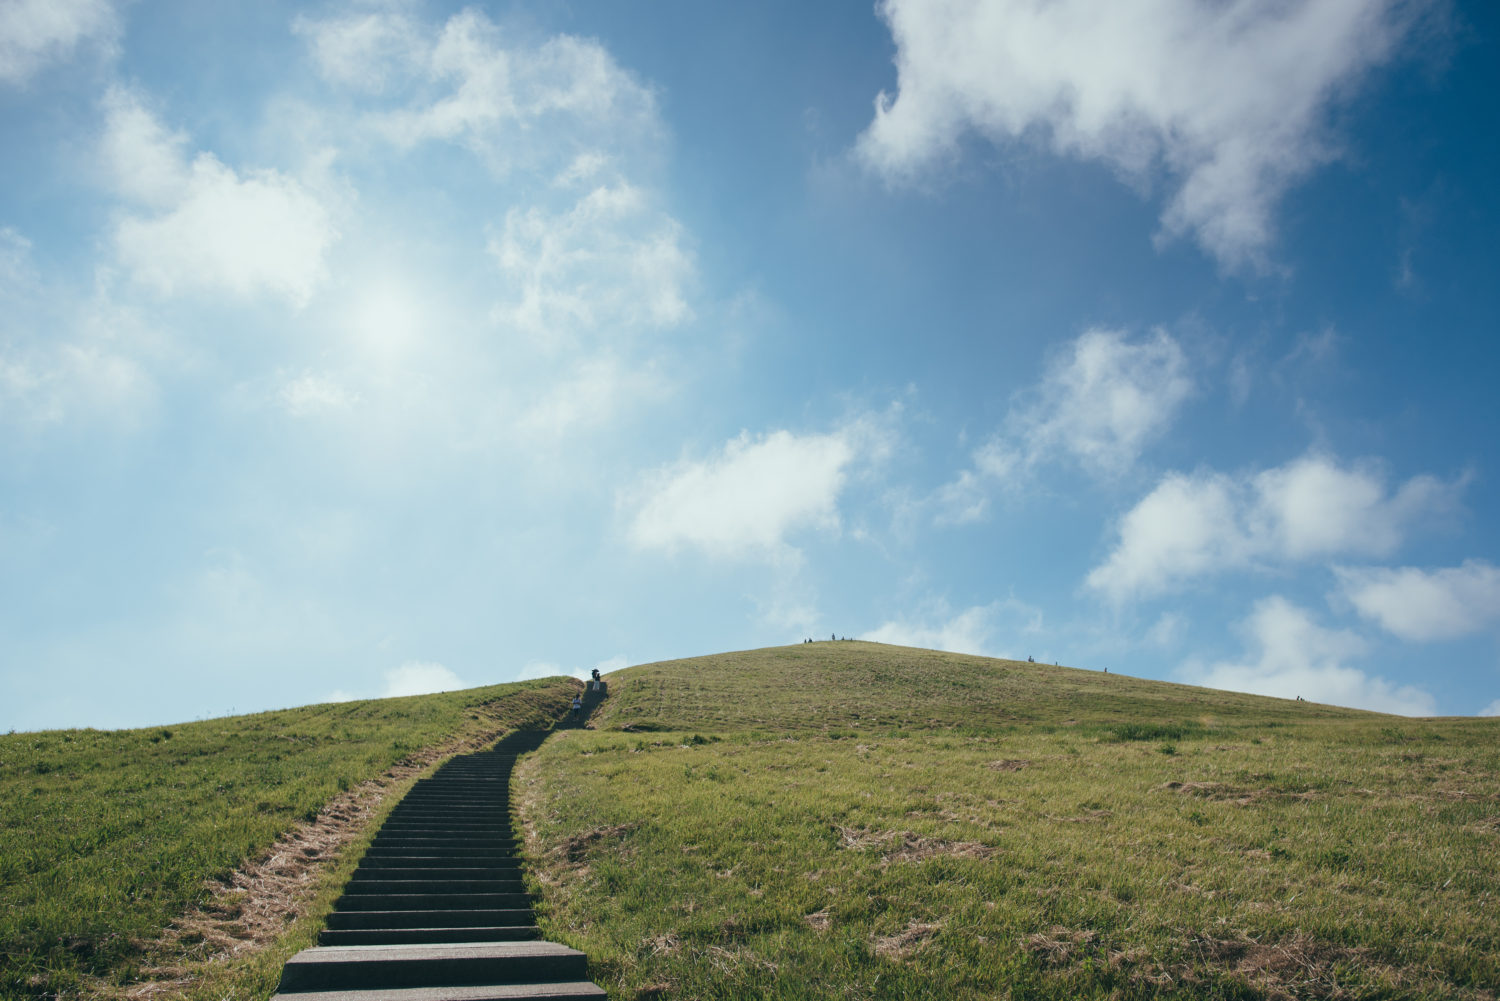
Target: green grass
x,y
106,836
849,820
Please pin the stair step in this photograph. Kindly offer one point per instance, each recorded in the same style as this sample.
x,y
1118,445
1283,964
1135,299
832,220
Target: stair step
x,y
400,839
509,870
367,887
405,936
431,901
435,852
442,918
576,991
345,967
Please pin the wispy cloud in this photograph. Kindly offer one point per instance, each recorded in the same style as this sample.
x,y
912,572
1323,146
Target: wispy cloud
x,y
608,266
1102,401
1194,525
515,104
311,394
1226,102
61,359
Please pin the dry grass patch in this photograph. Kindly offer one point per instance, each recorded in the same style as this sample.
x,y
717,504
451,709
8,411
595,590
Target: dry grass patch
x,y
577,848
905,942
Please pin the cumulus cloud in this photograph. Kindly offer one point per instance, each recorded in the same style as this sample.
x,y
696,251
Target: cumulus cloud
x,y
1493,709
970,631
746,500
201,225
1227,102
34,33
609,264
1100,403
1192,525
1288,654
1422,605
418,677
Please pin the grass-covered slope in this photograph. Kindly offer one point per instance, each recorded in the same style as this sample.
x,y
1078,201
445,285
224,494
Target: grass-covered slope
x,y
850,820
106,836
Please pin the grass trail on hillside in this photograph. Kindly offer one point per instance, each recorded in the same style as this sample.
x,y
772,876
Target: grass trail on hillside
x,y
898,839
106,836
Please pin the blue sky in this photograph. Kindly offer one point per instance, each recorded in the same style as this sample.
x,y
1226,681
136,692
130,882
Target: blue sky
x,y
373,348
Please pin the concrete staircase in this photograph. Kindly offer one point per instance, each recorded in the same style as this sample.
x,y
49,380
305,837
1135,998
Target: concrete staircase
x,y
437,910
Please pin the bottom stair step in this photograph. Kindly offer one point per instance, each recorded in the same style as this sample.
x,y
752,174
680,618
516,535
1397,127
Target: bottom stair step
x,y
345,967
577,991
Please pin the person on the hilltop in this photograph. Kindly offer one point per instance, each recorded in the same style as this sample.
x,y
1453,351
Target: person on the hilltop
x,y
596,674
577,707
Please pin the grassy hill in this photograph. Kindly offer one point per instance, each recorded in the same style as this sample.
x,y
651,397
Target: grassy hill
x,y
852,820
106,837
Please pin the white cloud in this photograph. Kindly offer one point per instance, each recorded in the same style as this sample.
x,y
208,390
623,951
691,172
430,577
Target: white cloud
x,y
34,33
1227,100
311,394
206,226
1100,403
53,367
16,273
967,632
1204,523
146,161
970,631
590,397
546,669
745,501
418,677
616,663
1167,630
610,264
512,104
365,49
591,270
1290,655
1422,605
1493,709
965,500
